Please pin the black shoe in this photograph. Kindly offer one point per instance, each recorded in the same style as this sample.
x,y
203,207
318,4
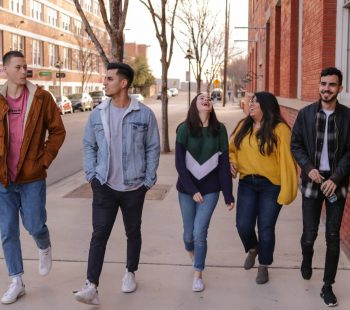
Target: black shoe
x,y
306,269
328,296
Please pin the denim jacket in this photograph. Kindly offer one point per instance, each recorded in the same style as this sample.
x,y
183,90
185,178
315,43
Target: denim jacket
x,y
140,144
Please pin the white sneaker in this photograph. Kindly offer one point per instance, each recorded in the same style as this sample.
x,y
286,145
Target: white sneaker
x,y
15,290
88,294
129,282
45,261
198,285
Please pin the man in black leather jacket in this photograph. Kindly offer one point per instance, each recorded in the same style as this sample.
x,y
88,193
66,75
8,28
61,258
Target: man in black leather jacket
x,y
321,147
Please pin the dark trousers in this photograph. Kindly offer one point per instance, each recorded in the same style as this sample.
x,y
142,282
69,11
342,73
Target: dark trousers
x,y
105,205
311,219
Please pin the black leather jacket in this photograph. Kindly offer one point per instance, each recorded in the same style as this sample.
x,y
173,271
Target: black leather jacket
x,y
303,144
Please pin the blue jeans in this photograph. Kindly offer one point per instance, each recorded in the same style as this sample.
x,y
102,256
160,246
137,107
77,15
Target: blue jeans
x,y
29,200
196,218
257,203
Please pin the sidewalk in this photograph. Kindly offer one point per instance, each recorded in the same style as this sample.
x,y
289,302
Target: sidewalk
x,y
165,273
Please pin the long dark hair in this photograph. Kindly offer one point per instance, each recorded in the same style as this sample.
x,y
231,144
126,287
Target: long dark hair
x,y
194,122
267,140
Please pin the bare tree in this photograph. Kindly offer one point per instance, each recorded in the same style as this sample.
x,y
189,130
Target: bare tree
x,y
236,71
84,60
197,26
114,27
163,18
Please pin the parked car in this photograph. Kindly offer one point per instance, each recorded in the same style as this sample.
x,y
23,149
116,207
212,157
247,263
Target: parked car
x,y
97,97
169,94
139,97
81,102
174,91
216,94
64,104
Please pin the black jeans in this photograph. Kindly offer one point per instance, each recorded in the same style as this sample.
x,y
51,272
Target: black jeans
x,y
311,219
105,205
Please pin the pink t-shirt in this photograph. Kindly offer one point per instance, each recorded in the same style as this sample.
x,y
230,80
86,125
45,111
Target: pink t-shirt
x,y
16,114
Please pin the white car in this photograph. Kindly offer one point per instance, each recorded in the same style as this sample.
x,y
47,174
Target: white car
x,y
174,91
138,97
64,104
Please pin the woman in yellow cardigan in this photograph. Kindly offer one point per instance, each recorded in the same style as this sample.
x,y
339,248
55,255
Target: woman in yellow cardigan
x,y
260,153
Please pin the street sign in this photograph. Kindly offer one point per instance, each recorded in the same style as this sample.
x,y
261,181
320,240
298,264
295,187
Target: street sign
x,y
29,73
45,73
60,75
216,83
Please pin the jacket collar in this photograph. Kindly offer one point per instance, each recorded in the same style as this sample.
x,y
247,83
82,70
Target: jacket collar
x,y
134,104
31,87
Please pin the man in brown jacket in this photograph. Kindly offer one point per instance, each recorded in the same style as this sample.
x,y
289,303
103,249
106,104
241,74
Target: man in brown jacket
x,y
27,113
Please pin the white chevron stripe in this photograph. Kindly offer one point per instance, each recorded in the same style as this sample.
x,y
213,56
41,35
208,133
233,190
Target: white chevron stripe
x,y
200,171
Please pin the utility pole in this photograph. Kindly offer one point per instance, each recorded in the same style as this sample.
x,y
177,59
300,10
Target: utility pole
x,y
227,13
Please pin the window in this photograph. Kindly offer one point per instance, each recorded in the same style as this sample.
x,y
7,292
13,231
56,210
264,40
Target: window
x,y
52,17
17,43
65,22
37,53
67,58
36,10
96,8
16,6
88,5
52,55
97,64
77,56
77,26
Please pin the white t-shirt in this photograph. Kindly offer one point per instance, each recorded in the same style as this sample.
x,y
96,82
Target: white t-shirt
x,y
324,162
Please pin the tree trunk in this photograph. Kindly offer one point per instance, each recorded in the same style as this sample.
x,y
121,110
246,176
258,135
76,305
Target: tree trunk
x,y
199,84
165,128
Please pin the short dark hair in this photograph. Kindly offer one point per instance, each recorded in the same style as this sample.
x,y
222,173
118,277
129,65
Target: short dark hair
x,y
11,54
333,71
124,70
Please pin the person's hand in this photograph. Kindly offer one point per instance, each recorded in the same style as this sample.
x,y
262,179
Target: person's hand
x,y
233,168
230,206
328,187
197,197
315,176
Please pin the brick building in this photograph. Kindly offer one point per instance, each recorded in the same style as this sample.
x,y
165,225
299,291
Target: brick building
x,y
52,37
290,42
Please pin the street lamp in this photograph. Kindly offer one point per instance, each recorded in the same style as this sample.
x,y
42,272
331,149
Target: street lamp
x,y
207,74
58,65
189,57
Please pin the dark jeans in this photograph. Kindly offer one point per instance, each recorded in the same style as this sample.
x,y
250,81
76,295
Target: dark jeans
x,y
311,219
257,203
105,205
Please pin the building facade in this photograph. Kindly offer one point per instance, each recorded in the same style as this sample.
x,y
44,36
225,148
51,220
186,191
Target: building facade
x,y
290,42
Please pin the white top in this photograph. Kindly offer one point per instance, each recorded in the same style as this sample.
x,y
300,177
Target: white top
x,y
324,163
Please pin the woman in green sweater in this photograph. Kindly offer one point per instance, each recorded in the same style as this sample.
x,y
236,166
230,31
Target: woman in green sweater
x,y
204,170
260,153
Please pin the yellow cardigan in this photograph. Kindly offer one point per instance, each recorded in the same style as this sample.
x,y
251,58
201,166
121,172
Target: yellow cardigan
x,y
279,167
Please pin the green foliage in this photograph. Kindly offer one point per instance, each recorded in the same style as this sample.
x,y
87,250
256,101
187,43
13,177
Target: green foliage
x,y
143,75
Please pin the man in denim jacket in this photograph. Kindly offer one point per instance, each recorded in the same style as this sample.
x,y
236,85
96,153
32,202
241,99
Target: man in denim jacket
x,y
121,156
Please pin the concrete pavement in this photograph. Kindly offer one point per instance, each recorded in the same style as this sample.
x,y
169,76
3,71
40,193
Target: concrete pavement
x,y
165,273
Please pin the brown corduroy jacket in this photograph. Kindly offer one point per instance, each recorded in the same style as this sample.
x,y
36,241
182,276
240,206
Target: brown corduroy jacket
x,y
37,150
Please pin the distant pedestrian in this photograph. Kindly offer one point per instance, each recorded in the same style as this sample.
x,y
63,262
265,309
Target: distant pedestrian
x,y
321,146
121,156
229,93
28,114
202,164
260,153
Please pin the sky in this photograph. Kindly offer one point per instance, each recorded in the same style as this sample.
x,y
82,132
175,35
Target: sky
x,y
141,30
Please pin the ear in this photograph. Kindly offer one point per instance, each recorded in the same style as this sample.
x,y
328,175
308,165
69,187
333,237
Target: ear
x,y
124,83
340,88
